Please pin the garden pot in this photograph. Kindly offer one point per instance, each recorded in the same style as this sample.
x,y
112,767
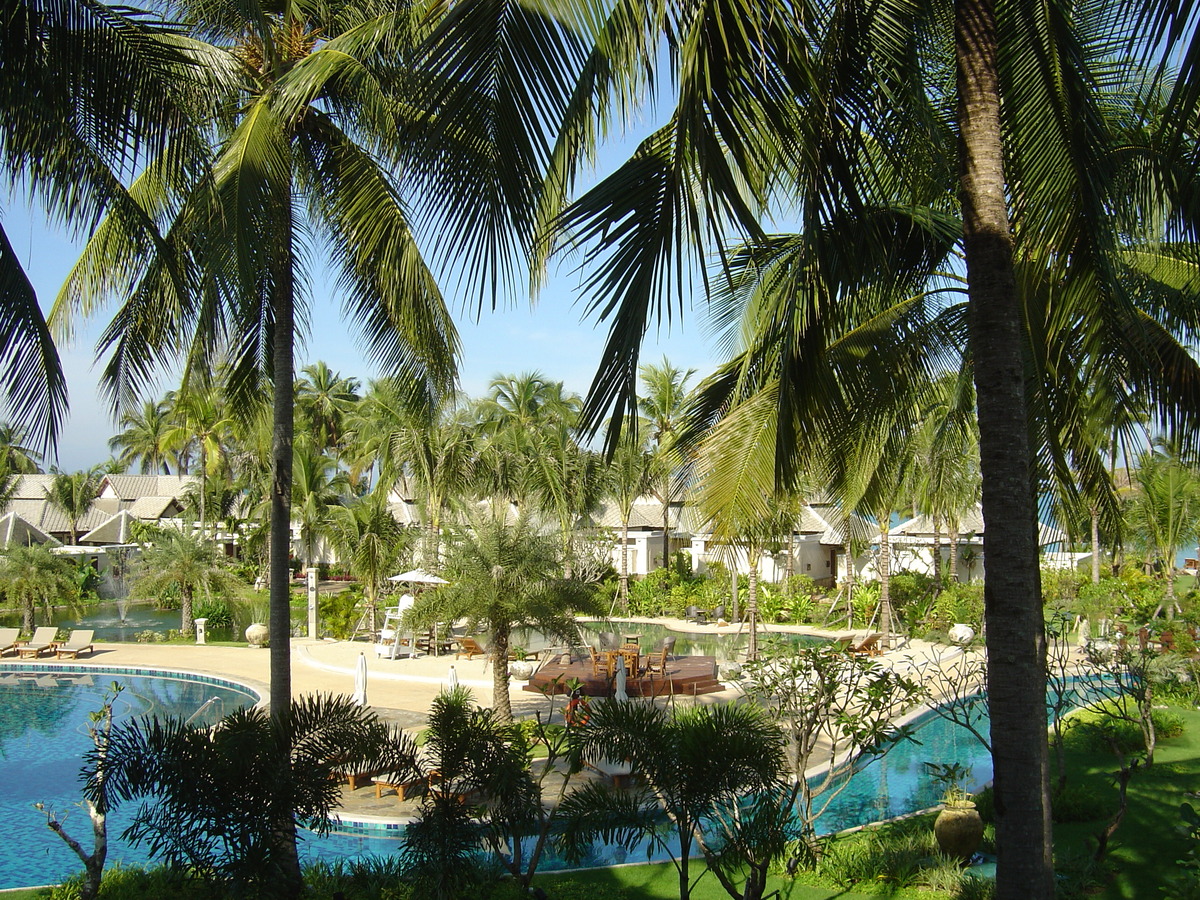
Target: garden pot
x,y
256,634
520,670
959,830
961,633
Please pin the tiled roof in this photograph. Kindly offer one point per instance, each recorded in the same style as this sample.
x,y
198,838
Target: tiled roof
x,y
15,530
134,487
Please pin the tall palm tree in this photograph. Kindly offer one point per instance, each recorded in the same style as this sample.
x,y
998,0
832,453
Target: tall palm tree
x,y
662,404
631,478
317,486
303,152
201,421
143,438
74,495
323,399
90,91
772,106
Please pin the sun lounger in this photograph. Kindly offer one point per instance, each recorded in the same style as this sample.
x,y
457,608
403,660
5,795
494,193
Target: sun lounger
x,y
8,639
404,785
44,638
869,646
80,641
470,648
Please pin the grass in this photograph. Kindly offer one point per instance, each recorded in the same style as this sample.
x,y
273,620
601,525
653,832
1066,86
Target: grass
x,y
1145,847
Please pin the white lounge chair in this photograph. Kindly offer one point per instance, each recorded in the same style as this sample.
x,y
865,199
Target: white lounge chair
x,y
44,638
8,639
79,642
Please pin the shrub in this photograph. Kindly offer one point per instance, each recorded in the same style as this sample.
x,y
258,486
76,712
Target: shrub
x,y
136,883
216,611
370,878
1079,803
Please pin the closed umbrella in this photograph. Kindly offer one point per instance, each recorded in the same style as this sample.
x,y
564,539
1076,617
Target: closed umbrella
x,y
620,693
452,679
360,680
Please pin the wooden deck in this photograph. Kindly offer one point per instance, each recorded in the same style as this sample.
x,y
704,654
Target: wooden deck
x,y
689,675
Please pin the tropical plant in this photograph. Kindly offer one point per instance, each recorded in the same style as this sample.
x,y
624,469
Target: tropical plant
x,y
828,701
663,401
631,479
323,401
34,576
73,495
144,438
504,575
1163,512
175,560
15,455
317,487
711,777
368,538
212,798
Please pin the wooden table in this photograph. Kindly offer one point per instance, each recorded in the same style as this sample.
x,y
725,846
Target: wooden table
x,y
632,657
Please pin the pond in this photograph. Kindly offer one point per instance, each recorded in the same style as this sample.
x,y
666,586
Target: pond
x,y
116,621
725,647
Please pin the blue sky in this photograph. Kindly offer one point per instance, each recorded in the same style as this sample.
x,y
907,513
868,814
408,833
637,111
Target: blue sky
x,y
550,338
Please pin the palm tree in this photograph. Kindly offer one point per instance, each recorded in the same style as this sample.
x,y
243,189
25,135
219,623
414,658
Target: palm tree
x,y
73,495
178,561
632,475
90,91
369,539
17,457
214,795
144,437
201,420
762,114
307,154
317,486
324,398
1164,511
503,576
700,765
33,575
662,405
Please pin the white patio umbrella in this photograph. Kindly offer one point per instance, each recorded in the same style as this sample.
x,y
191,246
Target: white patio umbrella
x,y
418,576
360,680
452,678
622,675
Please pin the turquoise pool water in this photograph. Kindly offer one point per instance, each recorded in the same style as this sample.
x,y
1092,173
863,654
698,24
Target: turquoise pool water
x,y
42,741
728,646
43,711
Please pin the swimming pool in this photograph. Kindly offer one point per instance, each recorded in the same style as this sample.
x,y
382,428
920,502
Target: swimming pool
x,y
43,711
728,646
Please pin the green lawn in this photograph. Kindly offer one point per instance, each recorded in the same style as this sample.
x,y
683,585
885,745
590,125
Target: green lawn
x,y
1146,845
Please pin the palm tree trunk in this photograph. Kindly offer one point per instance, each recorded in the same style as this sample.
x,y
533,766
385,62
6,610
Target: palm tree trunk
x,y
1012,589
752,603
186,625
1095,547
937,552
501,704
280,544
954,540
885,584
625,564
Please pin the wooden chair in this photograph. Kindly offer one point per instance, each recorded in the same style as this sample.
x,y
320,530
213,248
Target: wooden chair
x,y
657,661
469,647
600,661
80,641
869,646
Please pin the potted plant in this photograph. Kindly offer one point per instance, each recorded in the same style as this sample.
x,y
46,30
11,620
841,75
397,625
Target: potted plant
x,y
958,827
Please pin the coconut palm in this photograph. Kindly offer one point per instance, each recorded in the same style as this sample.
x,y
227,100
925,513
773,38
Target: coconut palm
x,y
323,399
174,560
737,131
370,541
74,495
662,404
504,575
201,421
1163,511
90,91
631,478
303,151
317,486
143,438
34,576
15,454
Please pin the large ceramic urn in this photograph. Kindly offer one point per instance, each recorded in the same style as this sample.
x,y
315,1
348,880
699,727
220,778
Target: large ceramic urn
x,y
257,634
959,829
